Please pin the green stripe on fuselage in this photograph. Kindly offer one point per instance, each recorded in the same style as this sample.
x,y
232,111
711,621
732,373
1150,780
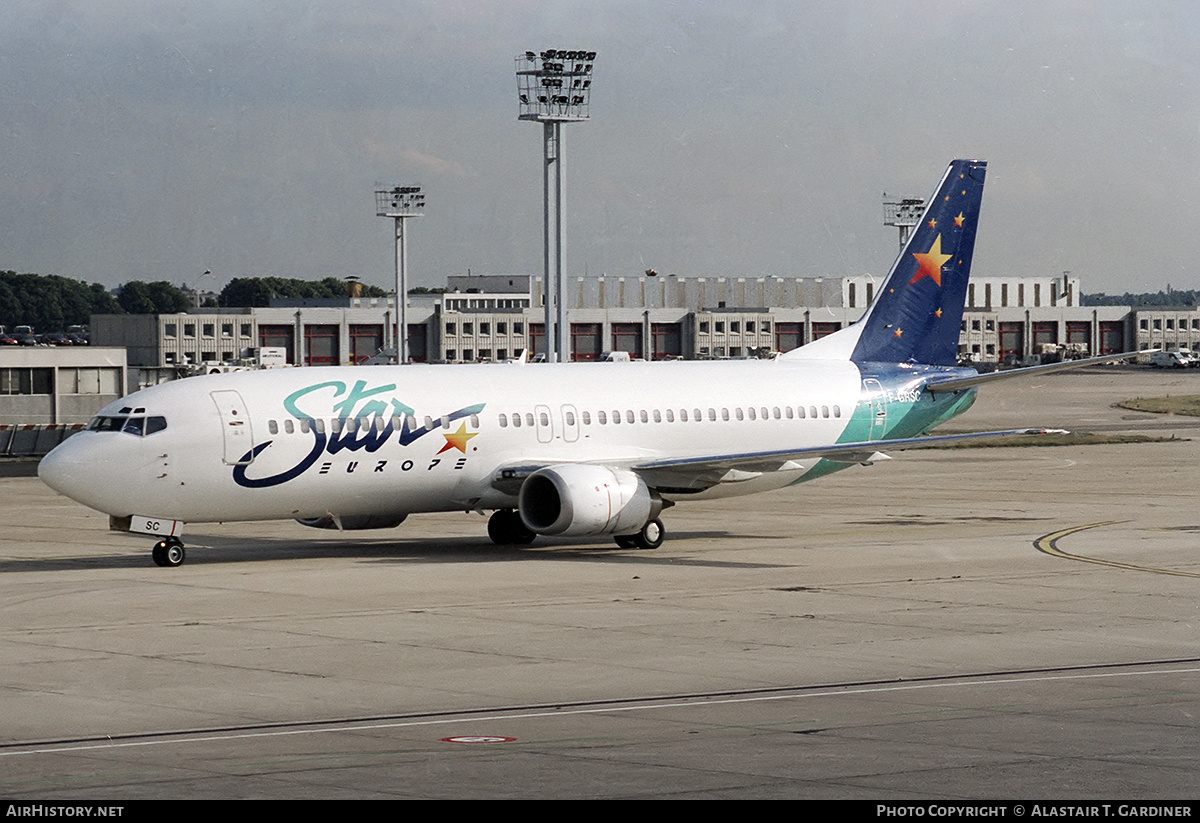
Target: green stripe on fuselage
x,y
906,417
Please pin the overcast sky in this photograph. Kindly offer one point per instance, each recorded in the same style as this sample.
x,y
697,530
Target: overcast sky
x,y
156,140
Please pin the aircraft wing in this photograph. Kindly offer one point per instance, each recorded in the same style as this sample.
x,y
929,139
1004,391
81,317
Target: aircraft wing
x,y
700,473
695,474
958,384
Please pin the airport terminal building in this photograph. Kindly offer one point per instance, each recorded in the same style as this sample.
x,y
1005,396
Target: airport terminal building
x,y
498,317
493,318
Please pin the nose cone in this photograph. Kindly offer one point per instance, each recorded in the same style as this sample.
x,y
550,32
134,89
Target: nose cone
x,y
60,470
75,469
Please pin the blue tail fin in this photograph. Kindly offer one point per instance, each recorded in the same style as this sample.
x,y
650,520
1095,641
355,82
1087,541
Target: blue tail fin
x,y
917,312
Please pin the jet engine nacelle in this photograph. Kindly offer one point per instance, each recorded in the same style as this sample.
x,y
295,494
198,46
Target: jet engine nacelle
x,y
578,498
354,522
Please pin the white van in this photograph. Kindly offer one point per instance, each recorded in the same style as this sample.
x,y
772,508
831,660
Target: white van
x,y
1168,360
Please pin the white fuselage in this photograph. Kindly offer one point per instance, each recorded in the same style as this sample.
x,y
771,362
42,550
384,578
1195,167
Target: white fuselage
x,y
352,441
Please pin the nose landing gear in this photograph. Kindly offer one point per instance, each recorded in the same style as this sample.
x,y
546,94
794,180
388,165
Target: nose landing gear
x,y
168,552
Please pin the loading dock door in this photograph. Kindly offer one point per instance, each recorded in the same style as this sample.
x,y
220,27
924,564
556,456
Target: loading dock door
x,y
1012,342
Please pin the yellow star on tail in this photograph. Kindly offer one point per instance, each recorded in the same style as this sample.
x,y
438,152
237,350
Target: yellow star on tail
x,y
930,263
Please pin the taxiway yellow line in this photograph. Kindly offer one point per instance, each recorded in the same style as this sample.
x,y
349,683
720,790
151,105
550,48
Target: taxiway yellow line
x,y
1048,544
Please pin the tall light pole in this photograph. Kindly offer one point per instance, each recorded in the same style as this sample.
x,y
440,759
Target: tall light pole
x,y
554,87
400,203
903,214
196,289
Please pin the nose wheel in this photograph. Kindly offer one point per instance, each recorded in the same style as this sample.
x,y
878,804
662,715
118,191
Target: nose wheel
x,y
168,552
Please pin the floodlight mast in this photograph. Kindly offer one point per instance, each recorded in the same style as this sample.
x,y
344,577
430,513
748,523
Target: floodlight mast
x,y
554,87
400,203
903,214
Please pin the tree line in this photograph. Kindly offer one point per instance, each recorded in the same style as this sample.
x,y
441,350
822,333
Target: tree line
x,y
53,303
259,291
1182,298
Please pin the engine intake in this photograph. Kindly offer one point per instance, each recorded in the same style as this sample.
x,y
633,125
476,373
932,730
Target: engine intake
x,y
581,499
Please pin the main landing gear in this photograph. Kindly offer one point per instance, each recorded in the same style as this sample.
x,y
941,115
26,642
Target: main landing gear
x,y
168,552
506,528
650,537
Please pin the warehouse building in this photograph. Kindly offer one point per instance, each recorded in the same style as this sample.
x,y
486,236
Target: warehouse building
x,y
59,385
500,317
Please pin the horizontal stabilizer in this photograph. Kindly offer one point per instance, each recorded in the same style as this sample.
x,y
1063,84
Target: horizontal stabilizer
x,y
954,384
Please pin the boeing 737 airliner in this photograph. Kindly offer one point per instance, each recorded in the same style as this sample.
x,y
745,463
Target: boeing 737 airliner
x,y
570,449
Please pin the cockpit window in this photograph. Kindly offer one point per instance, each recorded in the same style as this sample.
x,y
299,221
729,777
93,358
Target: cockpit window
x,y
136,425
103,423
